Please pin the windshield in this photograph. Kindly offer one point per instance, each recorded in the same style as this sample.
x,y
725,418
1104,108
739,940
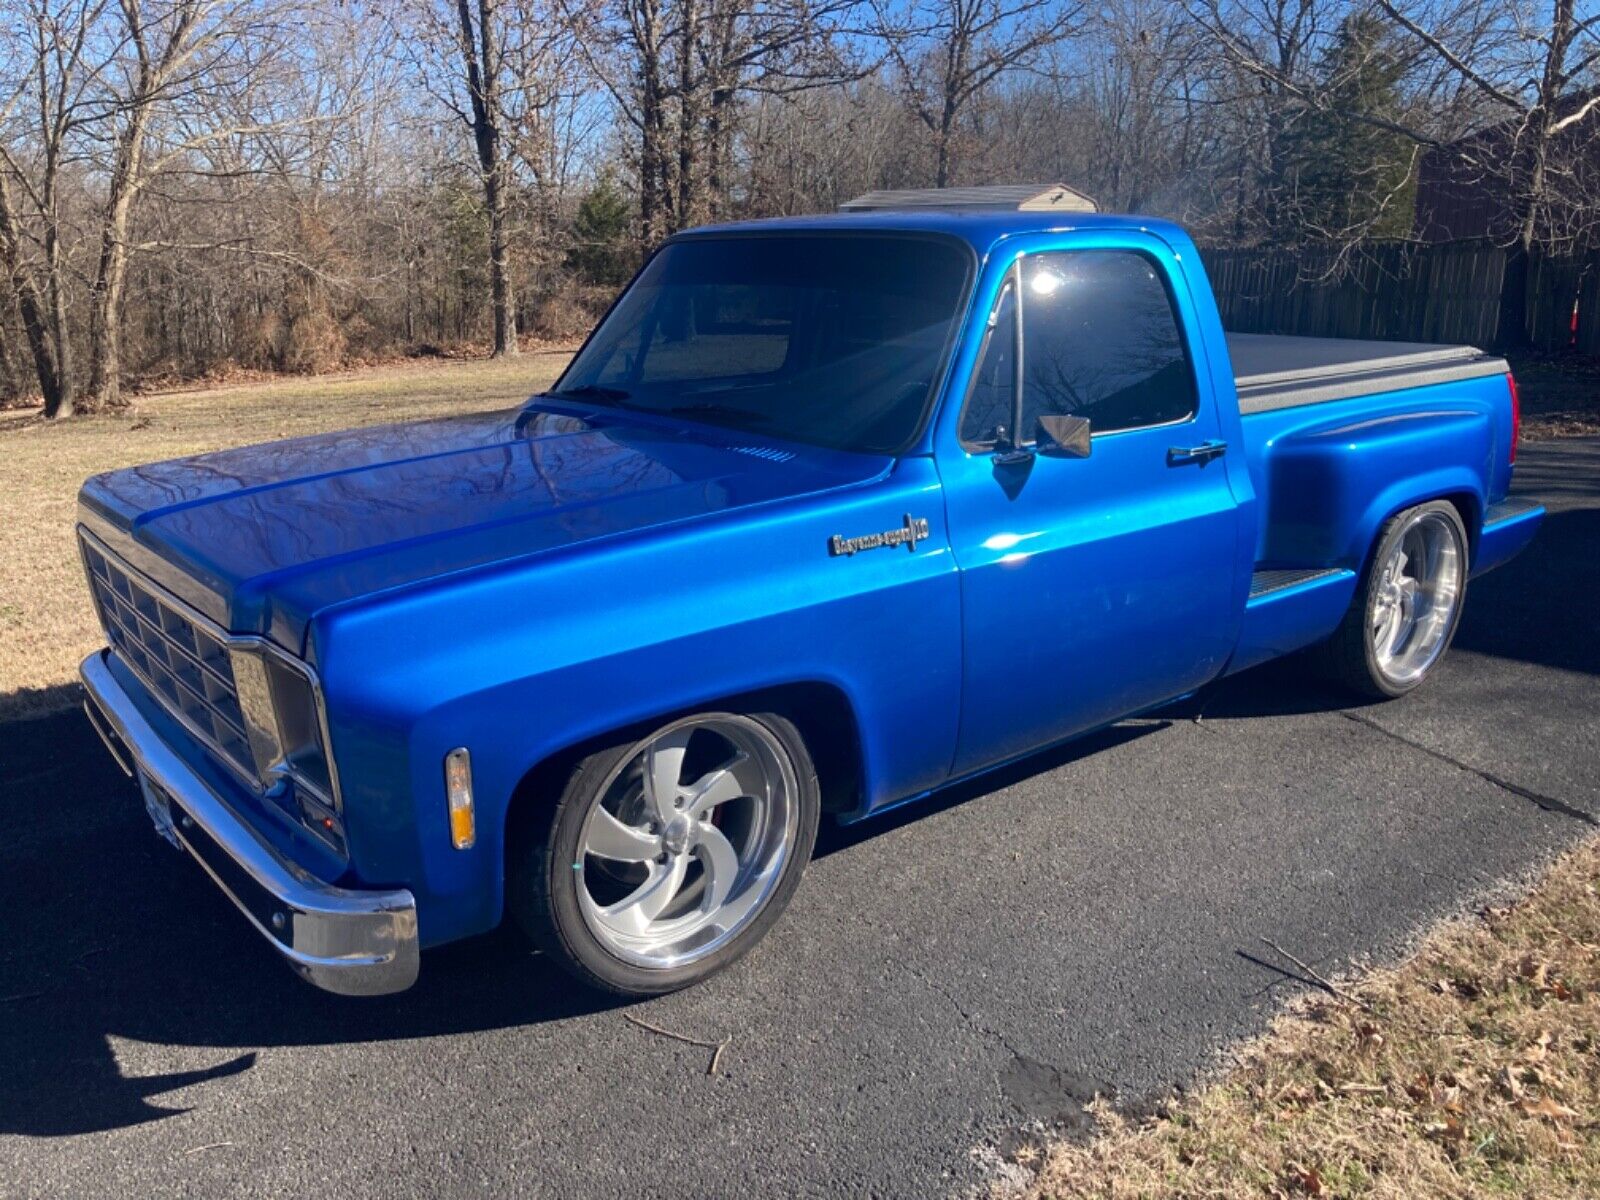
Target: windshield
x,y
836,340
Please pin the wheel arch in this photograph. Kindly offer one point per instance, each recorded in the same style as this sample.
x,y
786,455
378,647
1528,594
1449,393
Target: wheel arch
x,y
1466,503
1469,508
822,712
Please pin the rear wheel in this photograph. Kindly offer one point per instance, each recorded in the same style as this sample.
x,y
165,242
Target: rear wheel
x,y
1406,612
667,857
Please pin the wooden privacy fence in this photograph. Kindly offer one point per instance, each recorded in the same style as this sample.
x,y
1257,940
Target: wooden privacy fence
x,y
1402,291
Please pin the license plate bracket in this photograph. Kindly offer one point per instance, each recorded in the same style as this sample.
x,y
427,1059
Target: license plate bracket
x,y
160,810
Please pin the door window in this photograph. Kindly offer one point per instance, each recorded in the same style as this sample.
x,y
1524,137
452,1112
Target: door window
x,y
1100,339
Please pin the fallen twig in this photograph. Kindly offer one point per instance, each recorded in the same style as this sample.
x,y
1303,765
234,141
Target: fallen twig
x,y
716,1048
207,1146
1332,989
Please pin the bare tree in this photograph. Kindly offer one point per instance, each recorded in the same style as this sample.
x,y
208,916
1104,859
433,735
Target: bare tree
x,y
50,84
509,72
1120,112
1264,78
949,52
679,71
811,151
171,48
1154,128
481,38
54,383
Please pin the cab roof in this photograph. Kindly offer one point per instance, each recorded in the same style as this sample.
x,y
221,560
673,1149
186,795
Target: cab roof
x,y
982,230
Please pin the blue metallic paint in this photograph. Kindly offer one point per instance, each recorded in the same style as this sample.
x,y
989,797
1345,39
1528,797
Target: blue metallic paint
x,y
636,632
522,582
1292,618
1067,563
1504,539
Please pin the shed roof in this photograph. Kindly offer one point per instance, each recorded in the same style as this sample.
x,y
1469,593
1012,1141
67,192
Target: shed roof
x,y
1006,197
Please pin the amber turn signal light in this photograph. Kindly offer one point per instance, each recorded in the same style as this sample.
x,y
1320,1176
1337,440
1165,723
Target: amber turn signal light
x,y
458,794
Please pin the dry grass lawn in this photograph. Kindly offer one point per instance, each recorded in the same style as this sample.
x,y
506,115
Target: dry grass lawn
x,y
1471,1070
46,625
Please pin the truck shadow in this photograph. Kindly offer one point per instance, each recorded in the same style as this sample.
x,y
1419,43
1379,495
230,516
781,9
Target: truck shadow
x,y
110,937
1539,608
110,934
114,936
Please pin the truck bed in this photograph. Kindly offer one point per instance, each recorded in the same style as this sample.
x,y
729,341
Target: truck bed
x,y
1276,372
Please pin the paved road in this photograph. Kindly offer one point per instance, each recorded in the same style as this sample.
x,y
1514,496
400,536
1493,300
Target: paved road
x,y
1093,920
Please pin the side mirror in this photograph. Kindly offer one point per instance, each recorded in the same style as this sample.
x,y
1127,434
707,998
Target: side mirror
x,y
1064,437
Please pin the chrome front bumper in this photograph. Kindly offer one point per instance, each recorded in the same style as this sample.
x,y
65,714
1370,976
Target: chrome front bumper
x,y
350,942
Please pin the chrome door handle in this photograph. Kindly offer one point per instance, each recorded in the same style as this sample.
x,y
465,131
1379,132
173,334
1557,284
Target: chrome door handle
x,y
1203,453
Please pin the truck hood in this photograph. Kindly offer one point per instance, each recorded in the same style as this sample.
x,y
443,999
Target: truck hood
x,y
262,538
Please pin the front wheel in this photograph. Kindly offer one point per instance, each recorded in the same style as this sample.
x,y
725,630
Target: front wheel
x,y
668,856
1403,617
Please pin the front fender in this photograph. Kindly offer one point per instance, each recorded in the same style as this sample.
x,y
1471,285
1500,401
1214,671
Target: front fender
x,y
520,663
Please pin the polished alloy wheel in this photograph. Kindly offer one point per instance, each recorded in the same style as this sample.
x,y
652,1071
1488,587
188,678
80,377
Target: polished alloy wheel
x,y
687,839
1418,589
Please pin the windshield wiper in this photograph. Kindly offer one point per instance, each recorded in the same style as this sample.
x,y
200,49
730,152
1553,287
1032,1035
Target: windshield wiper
x,y
590,391
594,391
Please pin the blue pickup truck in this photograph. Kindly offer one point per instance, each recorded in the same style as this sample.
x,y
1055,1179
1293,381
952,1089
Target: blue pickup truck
x,y
827,514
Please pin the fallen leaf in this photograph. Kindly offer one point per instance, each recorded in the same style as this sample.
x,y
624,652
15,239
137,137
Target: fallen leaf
x,y
1508,1083
1449,1130
1308,1179
1447,1092
1297,1097
1535,970
1538,1049
1545,1107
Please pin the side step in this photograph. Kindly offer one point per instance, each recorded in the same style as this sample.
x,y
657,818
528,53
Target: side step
x,y
1264,583
1290,609
1509,509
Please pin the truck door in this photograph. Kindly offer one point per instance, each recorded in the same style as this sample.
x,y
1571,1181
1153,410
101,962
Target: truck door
x,y
1099,585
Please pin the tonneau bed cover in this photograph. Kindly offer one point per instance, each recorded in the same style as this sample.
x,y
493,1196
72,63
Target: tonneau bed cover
x,y
1285,372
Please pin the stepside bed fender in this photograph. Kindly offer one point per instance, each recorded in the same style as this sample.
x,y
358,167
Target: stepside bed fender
x,y
1332,485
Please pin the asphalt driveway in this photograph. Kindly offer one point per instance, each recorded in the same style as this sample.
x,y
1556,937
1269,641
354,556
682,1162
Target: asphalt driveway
x,y
944,983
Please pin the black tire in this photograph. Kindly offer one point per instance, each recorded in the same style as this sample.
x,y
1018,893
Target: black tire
x,y
1348,658
542,885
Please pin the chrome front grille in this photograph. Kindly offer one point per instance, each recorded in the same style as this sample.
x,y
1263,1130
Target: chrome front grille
x,y
183,663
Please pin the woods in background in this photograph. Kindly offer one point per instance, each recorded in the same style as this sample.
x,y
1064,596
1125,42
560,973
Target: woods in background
x,y
193,186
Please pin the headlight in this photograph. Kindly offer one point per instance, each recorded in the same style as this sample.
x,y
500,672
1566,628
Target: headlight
x,y
283,723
